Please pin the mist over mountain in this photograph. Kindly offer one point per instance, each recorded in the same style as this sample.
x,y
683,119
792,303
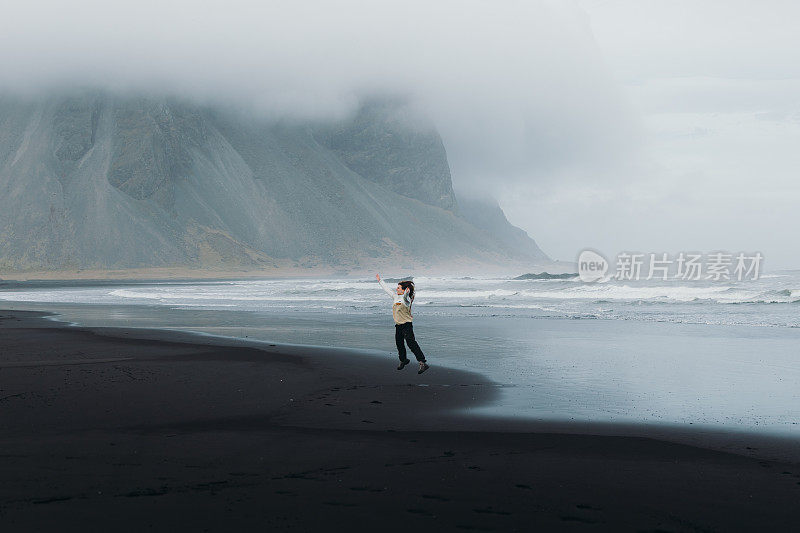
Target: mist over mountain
x,y
383,144
95,180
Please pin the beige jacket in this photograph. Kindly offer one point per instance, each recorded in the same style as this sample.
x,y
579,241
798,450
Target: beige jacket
x,y
401,309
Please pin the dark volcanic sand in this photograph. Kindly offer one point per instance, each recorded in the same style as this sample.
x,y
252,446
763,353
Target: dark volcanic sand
x,y
149,430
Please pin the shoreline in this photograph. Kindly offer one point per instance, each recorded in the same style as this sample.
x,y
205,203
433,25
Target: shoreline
x,y
110,424
768,446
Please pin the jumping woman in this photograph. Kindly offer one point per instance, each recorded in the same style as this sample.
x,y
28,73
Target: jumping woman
x,y
403,330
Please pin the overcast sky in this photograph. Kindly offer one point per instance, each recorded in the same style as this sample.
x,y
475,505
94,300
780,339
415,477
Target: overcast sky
x,y
716,88
649,125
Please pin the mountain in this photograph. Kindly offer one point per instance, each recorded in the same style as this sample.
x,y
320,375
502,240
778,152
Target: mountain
x,y
484,212
103,181
384,145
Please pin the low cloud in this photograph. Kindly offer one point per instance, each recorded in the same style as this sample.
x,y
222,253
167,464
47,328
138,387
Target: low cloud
x,y
516,88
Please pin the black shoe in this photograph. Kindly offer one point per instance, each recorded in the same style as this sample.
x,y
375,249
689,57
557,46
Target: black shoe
x,y
423,366
403,364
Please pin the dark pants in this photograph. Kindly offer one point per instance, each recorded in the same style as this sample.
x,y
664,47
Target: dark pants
x,y
406,332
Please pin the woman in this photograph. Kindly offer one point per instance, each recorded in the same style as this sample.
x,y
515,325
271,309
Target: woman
x,y
403,330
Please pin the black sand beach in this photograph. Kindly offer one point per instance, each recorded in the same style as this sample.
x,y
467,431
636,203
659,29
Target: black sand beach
x,y
132,430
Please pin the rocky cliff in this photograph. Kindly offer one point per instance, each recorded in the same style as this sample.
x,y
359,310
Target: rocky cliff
x,y
98,181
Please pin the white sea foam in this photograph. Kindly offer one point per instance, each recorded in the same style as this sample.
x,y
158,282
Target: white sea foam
x,y
767,301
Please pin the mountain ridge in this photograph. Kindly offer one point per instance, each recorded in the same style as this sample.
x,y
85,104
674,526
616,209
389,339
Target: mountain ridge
x,y
100,181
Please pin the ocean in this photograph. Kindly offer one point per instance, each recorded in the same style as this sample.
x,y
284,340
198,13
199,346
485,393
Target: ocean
x,y
724,355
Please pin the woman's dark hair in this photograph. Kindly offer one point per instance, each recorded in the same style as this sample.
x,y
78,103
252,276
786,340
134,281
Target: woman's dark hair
x,y
408,285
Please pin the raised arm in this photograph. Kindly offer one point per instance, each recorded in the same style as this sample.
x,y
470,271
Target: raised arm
x,y
385,287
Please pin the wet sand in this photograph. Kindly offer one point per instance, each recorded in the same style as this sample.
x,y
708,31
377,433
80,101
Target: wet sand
x,y
137,430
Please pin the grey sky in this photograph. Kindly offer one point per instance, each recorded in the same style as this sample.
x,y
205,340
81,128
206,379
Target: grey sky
x,y
715,86
512,85
619,125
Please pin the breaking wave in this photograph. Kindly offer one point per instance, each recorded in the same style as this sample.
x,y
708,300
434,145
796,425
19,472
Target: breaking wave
x,y
769,300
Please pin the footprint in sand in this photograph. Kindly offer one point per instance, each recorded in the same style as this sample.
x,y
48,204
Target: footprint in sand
x,y
341,504
577,519
423,512
587,507
367,489
490,510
